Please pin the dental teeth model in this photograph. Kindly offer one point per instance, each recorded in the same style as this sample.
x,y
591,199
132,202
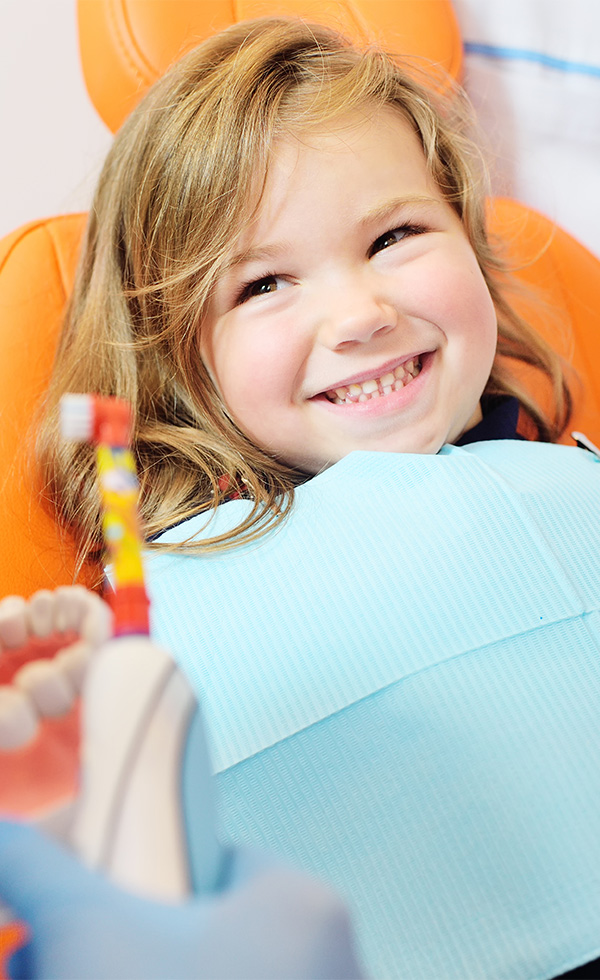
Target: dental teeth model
x,y
34,684
46,645
145,811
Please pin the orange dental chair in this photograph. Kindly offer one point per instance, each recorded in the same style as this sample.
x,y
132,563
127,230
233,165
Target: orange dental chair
x,y
125,46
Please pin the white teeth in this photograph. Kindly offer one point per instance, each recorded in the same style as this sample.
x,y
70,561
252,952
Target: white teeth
x,y
71,607
74,661
96,625
71,604
48,687
18,719
40,613
13,621
369,387
375,387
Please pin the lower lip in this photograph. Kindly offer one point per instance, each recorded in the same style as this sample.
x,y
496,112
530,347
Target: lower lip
x,y
396,401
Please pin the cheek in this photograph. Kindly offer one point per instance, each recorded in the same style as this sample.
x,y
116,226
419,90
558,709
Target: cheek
x,y
482,319
254,367
462,306
460,285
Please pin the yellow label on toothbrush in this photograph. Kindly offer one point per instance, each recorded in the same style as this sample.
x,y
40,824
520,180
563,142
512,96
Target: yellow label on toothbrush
x,y
119,490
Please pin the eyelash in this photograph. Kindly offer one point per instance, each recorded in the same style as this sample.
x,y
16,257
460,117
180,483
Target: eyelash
x,y
409,231
243,293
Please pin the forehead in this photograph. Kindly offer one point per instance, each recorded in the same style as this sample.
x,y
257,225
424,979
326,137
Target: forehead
x,y
354,158
347,129
359,167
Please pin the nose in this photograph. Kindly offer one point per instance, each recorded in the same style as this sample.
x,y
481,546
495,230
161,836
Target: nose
x,y
354,313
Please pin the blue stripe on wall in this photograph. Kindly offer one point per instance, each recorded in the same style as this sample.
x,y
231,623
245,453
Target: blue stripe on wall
x,y
523,54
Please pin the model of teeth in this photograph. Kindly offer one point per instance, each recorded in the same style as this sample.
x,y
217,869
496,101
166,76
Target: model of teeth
x,y
70,620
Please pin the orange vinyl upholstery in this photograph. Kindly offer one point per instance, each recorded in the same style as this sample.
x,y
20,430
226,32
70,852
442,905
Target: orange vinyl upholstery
x,y
37,264
560,272
125,45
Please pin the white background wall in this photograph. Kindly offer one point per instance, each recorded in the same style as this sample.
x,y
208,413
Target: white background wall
x,y
52,141
543,122
533,74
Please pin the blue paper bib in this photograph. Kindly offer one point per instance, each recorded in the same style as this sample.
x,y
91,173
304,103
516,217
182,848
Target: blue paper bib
x,y
402,690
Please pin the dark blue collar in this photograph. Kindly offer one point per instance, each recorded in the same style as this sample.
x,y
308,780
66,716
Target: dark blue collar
x,y
500,417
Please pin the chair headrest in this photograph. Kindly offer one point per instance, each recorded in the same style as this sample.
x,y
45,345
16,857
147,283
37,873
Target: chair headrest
x,y
126,45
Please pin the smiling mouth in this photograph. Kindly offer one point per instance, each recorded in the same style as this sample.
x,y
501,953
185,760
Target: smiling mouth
x,y
394,380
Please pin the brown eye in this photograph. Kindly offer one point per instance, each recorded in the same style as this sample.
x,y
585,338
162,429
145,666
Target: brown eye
x,y
390,238
263,286
394,236
260,287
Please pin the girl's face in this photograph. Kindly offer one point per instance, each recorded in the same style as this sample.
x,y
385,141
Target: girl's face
x,y
354,314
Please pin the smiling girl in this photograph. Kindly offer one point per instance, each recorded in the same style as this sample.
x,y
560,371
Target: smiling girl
x,y
285,229
287,273
376,330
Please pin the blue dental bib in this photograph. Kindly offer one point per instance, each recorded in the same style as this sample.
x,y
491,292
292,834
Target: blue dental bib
x,y
401,686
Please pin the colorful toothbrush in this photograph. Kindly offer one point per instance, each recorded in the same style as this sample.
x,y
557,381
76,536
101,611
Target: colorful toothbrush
x,y
106,423
141,726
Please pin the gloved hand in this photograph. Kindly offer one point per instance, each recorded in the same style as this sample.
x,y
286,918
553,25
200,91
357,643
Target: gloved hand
x,y
267,922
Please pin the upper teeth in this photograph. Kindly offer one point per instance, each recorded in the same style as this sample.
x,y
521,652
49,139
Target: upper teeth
x,y
46,687
375,387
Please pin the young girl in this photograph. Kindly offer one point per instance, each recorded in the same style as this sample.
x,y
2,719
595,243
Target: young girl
x,y
286,272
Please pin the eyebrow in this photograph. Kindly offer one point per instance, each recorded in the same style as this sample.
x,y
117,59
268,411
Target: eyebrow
x,y
395,204
371,217
257,254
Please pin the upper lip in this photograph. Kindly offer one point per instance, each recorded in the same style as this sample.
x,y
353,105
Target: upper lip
x,y
377,372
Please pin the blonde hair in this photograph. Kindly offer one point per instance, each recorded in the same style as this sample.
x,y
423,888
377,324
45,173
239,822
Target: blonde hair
x,y
180,184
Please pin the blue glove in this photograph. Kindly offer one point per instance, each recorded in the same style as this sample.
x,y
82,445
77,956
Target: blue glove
x,y
268,922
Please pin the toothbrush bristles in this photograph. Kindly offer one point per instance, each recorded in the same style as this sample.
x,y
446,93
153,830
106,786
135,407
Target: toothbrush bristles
x,y
77,417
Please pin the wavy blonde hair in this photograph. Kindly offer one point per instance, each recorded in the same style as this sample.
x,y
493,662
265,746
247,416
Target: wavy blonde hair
x,y
180,185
